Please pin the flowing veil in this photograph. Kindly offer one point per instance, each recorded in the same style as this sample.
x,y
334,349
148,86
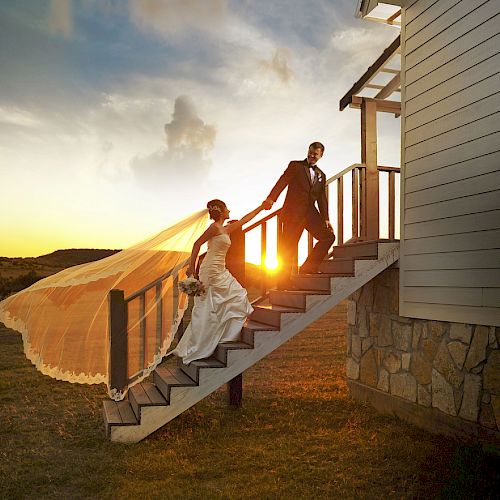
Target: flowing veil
x,y
63,318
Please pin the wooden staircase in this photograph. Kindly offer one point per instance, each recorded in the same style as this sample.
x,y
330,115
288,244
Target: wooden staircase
x,y
150,405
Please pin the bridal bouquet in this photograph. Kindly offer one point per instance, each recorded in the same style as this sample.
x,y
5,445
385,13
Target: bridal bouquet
x,y
192,286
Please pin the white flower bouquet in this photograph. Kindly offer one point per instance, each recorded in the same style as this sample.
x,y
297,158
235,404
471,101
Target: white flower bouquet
x,y
192,286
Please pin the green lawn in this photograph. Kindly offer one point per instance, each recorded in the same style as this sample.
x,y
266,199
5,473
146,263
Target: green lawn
x,y
298,435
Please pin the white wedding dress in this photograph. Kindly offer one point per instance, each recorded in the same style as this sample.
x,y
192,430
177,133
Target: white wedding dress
x,y
219,314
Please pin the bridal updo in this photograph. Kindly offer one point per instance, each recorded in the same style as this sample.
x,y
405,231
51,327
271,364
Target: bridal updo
x,y
215,208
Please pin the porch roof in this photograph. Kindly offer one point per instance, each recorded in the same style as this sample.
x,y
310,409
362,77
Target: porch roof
x,y
385,89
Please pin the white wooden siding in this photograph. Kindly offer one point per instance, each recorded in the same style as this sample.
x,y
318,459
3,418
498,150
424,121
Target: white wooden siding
x,y
450,206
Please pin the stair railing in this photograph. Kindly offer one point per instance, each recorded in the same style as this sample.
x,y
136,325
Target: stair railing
x,y
150,298
358,212
118,304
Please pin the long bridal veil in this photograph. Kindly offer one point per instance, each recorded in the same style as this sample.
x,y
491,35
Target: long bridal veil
x,y
63,319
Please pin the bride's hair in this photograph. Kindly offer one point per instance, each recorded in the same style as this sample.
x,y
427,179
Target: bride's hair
x,y
215,208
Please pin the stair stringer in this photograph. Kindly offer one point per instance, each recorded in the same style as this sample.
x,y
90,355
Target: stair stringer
x,y
210,379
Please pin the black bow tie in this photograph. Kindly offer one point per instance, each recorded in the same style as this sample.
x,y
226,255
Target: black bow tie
x,y
312,166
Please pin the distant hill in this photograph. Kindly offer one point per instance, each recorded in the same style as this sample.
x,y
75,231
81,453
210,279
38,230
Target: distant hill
x,y
20,272
74,256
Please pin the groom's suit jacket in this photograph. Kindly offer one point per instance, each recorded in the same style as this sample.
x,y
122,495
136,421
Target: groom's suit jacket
x,y
302,193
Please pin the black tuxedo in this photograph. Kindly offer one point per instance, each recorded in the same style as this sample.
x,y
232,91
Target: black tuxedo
x,y
299,212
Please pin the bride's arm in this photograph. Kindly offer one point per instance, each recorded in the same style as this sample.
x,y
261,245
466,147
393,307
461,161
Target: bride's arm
x,y
209,233
248,217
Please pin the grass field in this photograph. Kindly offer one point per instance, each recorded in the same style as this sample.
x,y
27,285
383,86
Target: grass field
x,y
298,435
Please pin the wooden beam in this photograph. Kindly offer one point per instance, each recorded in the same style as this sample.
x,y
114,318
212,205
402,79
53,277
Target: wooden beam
x,y
391,87
383,105
369,158
370,73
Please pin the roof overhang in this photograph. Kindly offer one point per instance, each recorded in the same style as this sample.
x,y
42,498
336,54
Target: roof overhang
x,y
386,12
382,91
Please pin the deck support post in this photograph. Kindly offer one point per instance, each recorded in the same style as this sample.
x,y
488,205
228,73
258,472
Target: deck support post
x,y
235,390
118,345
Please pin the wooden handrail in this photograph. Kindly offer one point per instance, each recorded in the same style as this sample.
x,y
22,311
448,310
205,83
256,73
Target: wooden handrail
x,y
343,172
163,277
383,168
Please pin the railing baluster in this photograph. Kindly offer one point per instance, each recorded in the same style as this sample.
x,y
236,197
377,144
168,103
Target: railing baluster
x,y
392,203
310,243
263,255
355,201
340,210
142,322
175,297
159,315
362,203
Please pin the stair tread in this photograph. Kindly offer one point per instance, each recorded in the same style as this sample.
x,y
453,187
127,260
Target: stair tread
x,y
210,362
174,376
119,413
154,395
274,307
300,292
139,394
258,326
235,345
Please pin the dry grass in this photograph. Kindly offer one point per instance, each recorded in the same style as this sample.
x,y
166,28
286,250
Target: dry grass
x,y
298,435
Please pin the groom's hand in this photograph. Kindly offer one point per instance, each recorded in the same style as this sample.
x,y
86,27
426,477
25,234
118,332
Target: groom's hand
x,y
267,204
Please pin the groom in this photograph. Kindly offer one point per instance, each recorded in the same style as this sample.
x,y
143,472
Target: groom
x,y
306,186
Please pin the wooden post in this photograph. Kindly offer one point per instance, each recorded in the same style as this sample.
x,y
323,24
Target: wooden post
x,y
340,210
235,261
355,208
392,204
369,158
159,316
235,390
263,255
118,346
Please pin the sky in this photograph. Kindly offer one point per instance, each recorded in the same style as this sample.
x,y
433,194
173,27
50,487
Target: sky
x,y
119,117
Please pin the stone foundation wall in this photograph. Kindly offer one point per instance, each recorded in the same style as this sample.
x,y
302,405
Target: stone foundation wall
x,y
450,367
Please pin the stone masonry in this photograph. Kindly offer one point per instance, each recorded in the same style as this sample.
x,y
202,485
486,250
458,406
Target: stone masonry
x,y
452,367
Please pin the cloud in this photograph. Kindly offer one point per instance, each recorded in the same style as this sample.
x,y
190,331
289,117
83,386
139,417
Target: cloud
x,y
61,17
189,142
279,65
174,17
18,116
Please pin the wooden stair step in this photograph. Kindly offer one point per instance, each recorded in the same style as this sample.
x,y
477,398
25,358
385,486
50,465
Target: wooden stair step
x,y
358,250
166,378
193,368
311,282
248,331
338,266
118,413
222,349
144,394
266,316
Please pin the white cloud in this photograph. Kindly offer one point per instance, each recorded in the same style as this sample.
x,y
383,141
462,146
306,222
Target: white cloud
x,y
189,142
176,17
19,117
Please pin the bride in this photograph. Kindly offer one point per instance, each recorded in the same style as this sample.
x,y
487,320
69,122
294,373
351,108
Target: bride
x,y
219,314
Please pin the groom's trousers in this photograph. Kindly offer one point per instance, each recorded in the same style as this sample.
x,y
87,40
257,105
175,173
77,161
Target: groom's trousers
x,y
290,236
